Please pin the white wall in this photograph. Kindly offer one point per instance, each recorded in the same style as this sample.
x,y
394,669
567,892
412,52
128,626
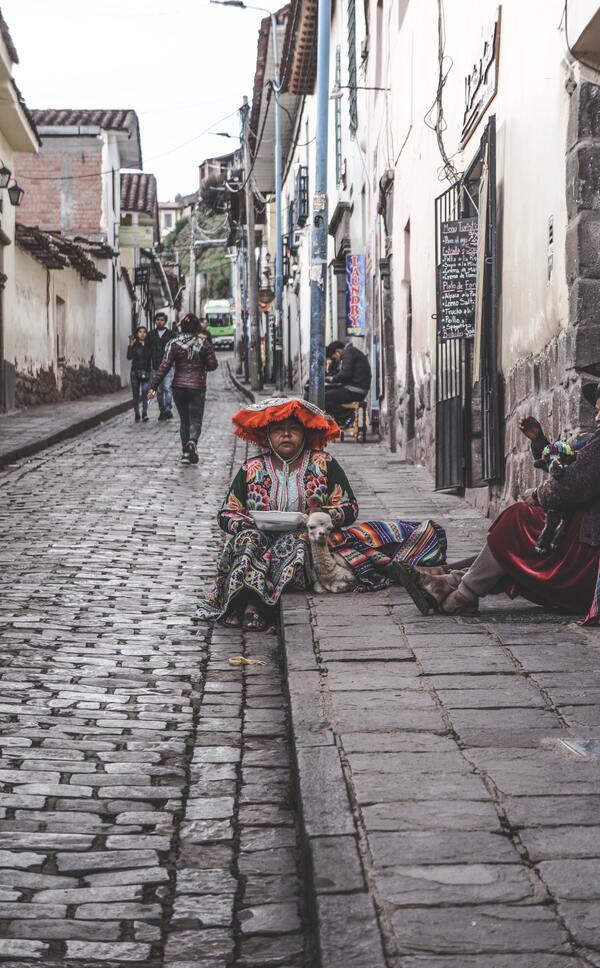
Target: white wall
x,y
31,343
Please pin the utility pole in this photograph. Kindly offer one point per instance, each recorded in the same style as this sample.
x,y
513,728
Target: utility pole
x,y
192,293
278,216
254,354
318,273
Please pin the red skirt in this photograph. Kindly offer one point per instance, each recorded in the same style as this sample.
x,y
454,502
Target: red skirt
x,y
565,578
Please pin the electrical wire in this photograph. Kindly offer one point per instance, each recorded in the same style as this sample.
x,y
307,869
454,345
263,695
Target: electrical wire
x,y
99,174
434,119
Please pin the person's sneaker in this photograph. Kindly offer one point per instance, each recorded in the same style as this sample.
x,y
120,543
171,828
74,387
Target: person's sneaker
x,y
137,418
168,414
185,458
162,415
145,418
192,453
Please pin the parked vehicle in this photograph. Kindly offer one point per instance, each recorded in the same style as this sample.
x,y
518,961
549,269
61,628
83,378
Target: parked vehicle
x,y
221,324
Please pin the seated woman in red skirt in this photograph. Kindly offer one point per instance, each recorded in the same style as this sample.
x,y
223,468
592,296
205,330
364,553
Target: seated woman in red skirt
x,y
566,578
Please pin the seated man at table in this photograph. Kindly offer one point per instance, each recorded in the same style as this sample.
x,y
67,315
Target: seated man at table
x,y
349,380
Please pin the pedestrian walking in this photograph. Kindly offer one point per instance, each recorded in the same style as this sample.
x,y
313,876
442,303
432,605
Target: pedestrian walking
x,y
139,352
204,328
192,356
159,339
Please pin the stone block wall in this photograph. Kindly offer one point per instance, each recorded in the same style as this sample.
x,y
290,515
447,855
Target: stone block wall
x,y
74,382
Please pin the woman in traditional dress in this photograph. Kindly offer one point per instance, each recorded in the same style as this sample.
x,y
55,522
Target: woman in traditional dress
x,y
566,578
294,472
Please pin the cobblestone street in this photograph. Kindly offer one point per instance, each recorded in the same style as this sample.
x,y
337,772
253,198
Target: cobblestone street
x,y
148,788
145,804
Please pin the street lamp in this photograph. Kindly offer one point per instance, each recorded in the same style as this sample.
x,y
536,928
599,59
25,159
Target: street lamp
x,y
15,193
278,186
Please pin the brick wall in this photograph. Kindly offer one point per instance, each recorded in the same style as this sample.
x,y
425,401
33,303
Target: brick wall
x,y
63,187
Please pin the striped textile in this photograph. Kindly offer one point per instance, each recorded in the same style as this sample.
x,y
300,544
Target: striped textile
x,y
369,548
593,616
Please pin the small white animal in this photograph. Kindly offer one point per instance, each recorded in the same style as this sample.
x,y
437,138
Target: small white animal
x,y
333,574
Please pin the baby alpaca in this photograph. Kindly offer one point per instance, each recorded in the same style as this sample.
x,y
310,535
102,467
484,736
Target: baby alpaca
x,y
333,574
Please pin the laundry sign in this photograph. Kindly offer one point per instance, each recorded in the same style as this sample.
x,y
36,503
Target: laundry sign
x,y
355,295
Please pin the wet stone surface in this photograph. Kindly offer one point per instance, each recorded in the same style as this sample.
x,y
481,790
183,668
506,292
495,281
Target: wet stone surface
x,y
146,809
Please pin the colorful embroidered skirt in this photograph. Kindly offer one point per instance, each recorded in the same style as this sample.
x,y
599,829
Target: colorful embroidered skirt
x,y
566,578
265,563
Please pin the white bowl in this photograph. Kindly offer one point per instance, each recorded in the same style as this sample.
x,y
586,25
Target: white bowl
x,y
278,520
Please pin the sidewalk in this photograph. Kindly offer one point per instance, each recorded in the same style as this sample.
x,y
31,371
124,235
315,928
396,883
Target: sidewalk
x,y
27,432
433,784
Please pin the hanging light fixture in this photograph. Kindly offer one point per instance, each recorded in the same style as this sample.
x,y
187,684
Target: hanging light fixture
x,y
15,193
5,174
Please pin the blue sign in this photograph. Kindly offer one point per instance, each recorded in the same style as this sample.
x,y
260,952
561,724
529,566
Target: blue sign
x,y
355,295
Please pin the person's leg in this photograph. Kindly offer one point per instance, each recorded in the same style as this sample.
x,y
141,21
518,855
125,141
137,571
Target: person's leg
x,y
160,396
167,384
335,396
484,577
181,402
135,392
196,411
145,385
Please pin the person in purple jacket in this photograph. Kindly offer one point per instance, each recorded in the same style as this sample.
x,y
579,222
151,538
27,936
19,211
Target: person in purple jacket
x,y
192,355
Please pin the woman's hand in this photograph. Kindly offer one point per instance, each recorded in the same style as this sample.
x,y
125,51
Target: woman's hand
x,y
151,394
531,427
132,339
530,497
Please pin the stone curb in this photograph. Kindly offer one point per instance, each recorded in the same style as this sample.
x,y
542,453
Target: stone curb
x,y
341,908
243,389
73,430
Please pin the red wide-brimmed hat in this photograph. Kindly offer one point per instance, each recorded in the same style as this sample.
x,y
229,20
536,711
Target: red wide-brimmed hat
x,y
251,422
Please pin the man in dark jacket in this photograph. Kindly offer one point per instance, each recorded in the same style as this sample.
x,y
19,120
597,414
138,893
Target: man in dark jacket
x,y
350,379
192,355
159,337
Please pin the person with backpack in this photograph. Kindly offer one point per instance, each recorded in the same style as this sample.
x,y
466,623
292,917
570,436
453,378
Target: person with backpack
x,y
192,356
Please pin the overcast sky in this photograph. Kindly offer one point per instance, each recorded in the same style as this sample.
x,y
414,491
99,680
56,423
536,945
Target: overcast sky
x,y
181,64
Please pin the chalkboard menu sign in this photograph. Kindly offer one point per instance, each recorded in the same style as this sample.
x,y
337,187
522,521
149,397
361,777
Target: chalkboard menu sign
x,y
458,279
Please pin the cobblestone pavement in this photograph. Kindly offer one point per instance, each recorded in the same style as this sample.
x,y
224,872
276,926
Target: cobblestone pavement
x,y
145,807
435,790
27,432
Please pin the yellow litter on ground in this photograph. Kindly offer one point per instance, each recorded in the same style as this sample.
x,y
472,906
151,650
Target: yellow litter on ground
x,y
238,660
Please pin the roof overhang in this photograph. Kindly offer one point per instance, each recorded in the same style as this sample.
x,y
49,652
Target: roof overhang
x,y
14,123
262,121
299,56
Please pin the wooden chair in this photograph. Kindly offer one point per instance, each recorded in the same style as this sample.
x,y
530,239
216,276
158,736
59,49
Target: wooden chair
x,y
359,427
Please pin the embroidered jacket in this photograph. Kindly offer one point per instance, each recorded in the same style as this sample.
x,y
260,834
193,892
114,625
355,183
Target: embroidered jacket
x,y
322,486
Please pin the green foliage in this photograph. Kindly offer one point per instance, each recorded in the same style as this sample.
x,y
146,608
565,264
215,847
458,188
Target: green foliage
x,y
212,262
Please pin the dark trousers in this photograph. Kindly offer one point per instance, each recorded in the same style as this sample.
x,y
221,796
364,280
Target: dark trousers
x,y
139,388
190,407
336,395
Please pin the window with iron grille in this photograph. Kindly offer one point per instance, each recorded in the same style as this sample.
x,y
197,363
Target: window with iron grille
x,y
285,262
338,118
352,97
301,199
291,233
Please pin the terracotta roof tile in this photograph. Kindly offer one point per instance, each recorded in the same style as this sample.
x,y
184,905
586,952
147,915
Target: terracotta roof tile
x,y
120,119
138,193
56,252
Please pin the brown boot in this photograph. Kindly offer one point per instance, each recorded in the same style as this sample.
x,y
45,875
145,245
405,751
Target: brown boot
x,y
461,602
